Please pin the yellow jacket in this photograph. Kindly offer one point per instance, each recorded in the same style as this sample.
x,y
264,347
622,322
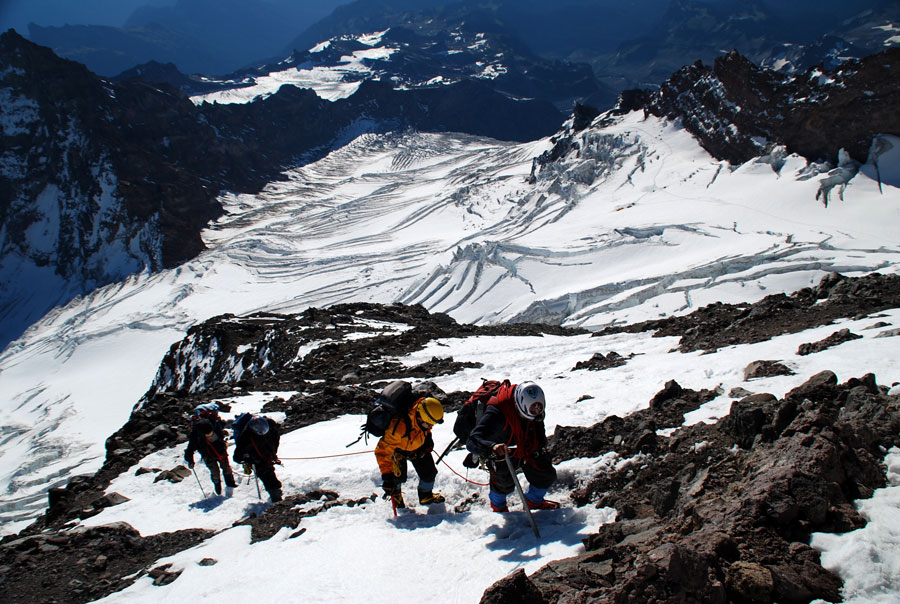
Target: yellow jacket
x,y
397,438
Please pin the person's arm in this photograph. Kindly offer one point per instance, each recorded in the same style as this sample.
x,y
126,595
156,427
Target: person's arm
x,y
192,446
240,446
487,433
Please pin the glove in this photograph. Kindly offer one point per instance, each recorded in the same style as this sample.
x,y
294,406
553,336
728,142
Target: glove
x,y
389,484
247,468
277,461
189,461
397,458
470,461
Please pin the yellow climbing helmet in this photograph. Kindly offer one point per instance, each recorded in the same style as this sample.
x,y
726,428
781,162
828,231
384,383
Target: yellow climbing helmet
x,y
431,411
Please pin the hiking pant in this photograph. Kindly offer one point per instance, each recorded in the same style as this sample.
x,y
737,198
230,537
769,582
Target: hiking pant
x,y
213,464
266,473
425,468
539,472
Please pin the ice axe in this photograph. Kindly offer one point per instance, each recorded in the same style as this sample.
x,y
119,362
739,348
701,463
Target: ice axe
x,y
447,450
198,481
512,472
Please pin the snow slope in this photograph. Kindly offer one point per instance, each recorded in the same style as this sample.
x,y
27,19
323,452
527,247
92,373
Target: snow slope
x,y
641,223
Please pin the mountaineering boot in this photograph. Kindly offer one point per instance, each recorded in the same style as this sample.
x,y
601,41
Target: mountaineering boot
x,y
545,504
498,501
276,496
229,480
429,498
217,487
397,499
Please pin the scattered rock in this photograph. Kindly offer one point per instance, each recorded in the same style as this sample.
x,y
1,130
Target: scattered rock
x,y
888,333
598,362
176,474
760,369
838,337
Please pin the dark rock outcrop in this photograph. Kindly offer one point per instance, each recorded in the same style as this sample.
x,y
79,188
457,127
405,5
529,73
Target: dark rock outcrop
x,y
733,104
838,337
718,325
83,565
701,520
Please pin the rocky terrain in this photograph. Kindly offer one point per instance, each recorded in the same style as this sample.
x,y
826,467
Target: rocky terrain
x,y
739,111
712,512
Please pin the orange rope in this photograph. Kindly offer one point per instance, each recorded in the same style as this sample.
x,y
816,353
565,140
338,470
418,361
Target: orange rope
x,y
481,484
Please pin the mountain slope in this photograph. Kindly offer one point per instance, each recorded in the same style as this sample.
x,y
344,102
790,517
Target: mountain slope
x,y
635,222
105,179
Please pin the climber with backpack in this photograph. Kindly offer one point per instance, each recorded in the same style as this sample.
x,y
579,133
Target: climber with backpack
x,y
256,447
208,438
512,425
408,438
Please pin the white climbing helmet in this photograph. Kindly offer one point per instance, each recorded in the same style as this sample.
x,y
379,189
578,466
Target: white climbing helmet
x,y
530,400
259,424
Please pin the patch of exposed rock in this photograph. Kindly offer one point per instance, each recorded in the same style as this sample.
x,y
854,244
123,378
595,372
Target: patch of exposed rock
x,y
736,108
82,565
838,337
599,362
723,512
718,325
761,369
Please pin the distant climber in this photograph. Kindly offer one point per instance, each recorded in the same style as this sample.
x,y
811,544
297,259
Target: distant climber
x,y
513,424
256,444
408,437
208,438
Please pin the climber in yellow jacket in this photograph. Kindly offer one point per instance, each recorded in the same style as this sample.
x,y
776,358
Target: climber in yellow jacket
x,y
408,437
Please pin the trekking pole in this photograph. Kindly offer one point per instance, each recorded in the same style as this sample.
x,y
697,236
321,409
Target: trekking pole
x,y
198,482
256,475
512,472
447,450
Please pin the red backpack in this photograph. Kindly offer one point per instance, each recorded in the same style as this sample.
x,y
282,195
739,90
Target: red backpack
x,y
474,407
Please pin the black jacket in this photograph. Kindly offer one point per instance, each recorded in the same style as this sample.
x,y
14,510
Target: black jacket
x,y
492,429
197,442
250,447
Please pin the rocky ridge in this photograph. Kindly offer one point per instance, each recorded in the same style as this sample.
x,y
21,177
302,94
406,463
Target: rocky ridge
x,y
711,512
739,111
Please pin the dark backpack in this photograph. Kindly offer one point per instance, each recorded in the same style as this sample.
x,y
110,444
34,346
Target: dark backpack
x,y
239,423
474,407
394,401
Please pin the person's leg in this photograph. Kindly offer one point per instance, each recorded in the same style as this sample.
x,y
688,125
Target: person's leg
x,y
266,473
540,474
501,485
427,472
227,474
213,466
